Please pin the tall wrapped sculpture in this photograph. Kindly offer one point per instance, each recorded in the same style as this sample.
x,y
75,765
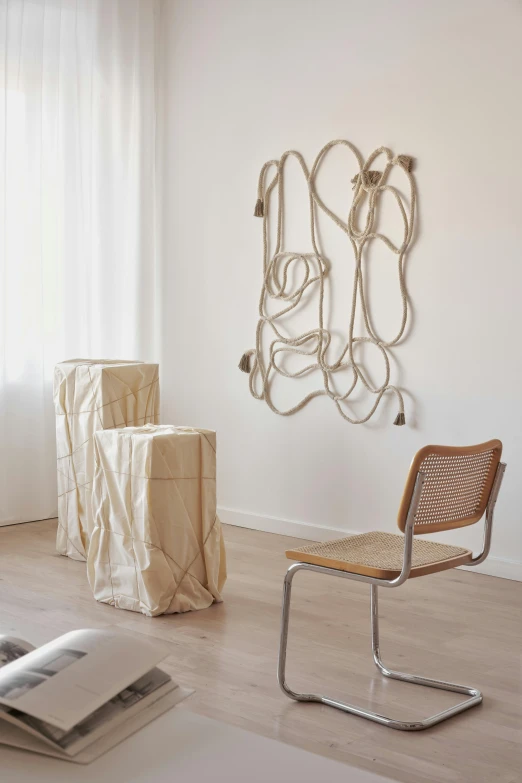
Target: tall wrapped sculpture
x,y
91,395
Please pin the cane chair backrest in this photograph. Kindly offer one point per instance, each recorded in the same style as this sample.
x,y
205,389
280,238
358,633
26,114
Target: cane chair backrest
x,y
458,483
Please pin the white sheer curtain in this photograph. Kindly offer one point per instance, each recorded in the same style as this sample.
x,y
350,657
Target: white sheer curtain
x,y
78,256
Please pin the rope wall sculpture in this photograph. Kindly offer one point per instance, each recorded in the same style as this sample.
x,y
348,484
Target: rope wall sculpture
x,y
282,266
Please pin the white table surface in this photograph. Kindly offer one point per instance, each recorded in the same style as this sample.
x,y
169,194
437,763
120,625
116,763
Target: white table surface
x,y
180,746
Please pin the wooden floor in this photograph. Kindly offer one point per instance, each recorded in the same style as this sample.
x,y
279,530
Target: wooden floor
x,y
457,625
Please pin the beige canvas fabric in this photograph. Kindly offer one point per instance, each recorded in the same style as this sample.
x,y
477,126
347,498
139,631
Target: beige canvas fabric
x,y
90,395
157,544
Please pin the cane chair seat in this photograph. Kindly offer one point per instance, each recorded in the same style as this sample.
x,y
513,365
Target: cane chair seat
x,y
380,555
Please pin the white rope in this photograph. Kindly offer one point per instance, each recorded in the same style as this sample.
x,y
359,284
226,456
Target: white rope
x,y
315,267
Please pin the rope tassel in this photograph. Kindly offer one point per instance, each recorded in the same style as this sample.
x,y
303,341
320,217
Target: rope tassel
x,y
244,363
369,178
406,161
400,419
259,210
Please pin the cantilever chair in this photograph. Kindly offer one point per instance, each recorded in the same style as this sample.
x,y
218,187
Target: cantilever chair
x,y
447,487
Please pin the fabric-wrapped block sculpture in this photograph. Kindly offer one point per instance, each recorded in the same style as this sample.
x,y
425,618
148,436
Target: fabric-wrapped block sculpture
x,y
92,395
157,545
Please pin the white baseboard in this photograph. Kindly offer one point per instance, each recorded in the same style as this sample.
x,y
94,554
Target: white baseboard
x,y
493,566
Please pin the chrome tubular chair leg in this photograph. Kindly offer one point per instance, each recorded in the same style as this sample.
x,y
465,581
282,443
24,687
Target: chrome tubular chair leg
x,y
475,695
281,672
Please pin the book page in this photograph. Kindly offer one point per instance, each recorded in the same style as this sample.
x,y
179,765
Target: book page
x,y
18,738
128,702
15,737
129,727
69,678
12,648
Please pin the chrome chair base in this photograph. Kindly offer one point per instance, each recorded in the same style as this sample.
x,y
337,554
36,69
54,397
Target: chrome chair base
x,y
475,696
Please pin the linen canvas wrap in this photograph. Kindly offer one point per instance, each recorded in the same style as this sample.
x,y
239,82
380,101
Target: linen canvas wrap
x,y
90,395
157,545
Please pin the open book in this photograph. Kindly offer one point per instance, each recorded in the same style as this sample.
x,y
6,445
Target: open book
x,y
82,693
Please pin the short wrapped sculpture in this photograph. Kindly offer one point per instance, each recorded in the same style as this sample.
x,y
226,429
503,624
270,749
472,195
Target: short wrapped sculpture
x,y
92,395
157,544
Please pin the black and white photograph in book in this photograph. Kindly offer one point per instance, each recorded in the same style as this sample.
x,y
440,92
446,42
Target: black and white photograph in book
x,y
19,684
10,650
59,661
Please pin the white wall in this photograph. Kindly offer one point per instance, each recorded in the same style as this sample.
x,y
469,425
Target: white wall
x,y
246,80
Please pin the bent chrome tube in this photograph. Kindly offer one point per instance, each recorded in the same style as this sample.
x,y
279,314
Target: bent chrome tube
x,y
475,696
490,510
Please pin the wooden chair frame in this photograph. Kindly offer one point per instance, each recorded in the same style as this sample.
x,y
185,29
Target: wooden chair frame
x,y
412,497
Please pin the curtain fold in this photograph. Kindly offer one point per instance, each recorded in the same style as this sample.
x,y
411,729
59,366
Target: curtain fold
x,y
79,271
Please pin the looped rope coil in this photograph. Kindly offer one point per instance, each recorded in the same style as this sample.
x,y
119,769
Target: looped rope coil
x,y
283,266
